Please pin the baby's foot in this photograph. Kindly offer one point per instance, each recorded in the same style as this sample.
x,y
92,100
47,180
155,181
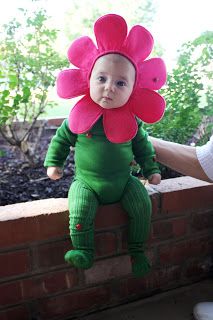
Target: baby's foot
x,y
79,259
140,264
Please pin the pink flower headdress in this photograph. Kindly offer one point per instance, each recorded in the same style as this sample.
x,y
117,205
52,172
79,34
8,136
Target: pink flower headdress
x,y
119,123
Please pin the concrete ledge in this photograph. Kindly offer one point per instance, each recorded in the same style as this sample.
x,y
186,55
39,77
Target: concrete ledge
x,y
33,208
59,205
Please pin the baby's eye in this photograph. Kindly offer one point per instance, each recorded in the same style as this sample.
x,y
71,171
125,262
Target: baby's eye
x,y
101,79
121,83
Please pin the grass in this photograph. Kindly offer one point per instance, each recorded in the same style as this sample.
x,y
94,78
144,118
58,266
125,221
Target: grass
x,y
61,110
62,107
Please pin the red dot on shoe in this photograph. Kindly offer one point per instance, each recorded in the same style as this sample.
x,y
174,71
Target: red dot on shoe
x,y
78,226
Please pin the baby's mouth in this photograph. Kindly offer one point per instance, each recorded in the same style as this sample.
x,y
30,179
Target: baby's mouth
x,y
107,98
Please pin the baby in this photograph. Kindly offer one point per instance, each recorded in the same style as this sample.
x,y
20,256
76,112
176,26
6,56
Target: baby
x,y
107,137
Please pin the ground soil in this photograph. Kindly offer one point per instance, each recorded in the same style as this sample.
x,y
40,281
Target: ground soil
x,y
21,183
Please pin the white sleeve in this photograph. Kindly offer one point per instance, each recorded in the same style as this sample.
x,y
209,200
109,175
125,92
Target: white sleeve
x,y
205,157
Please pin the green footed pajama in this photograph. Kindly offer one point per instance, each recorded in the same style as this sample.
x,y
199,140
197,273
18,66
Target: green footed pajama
x,y
83,204
102,176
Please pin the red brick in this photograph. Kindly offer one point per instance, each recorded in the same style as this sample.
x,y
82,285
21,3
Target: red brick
x,y
16,313
162,230
124,290
106,243
53,282
10,293
155,198
167,229
76,302
55,122
107,269
149,252
51,254
14,263
110,216
139,287
180,226
187,199
133,287
195,269
162,278
124,240
176,253
202,221
25,230
151,255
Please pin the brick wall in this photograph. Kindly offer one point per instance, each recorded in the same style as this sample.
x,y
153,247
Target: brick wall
x,y
36,283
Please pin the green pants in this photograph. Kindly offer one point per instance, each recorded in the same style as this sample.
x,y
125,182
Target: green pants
x,y
83,204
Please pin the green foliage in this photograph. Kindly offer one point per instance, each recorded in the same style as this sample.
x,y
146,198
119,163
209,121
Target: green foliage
x,y
27,66
188,92
144,13
84,13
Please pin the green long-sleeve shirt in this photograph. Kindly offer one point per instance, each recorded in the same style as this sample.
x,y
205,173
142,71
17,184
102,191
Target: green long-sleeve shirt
x,y
99,163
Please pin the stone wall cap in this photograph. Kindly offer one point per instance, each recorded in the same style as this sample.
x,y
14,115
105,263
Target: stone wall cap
x,y
180,183
33,208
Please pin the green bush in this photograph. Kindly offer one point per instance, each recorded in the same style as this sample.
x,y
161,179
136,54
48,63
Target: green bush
x,y
28,63
188,92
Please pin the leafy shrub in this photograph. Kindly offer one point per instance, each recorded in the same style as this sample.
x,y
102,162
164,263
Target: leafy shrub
x,y
188,92
27,70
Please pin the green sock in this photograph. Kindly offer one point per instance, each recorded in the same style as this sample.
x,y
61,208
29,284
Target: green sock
x,y
140,264
83,254
137,204
83,206
79,259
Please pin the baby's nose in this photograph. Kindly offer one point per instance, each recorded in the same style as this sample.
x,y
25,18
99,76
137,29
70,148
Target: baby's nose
x,y
109,85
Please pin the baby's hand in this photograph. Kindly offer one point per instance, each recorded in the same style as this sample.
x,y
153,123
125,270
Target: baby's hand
x,y
54,173
155,178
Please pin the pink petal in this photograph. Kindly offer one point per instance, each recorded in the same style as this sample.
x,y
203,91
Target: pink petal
x,y
83,115
152,74
119,124
82,52
139,43
110,31
71,83
148,105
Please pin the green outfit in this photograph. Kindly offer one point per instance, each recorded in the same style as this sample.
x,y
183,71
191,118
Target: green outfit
x,y
102,176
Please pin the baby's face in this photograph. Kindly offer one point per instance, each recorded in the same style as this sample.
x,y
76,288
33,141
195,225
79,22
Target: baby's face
x,y
112,80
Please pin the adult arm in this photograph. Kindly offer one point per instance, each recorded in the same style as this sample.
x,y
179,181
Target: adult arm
x,y
180,158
